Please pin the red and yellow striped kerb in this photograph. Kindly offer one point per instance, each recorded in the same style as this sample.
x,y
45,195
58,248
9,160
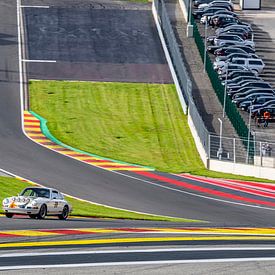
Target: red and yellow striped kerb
x,y
264,232
33,130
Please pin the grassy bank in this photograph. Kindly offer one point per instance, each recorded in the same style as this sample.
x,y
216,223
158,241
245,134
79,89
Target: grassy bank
x,y
11,187
132,122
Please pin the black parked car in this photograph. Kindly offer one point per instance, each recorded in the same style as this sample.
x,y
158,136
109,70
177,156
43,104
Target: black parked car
x,y
242,32
261,101
241,87
213,48
238,79
223,20
246,27
241,73
247,48
224,51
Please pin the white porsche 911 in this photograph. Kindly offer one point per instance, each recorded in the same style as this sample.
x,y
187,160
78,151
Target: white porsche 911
x,y
37,202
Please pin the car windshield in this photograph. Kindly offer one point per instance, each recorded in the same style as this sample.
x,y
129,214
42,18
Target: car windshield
x,y
36,192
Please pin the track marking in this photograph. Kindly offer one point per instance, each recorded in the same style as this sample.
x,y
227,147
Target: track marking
x,y
33,254
182,231
36,7
134,240
37,60
258,259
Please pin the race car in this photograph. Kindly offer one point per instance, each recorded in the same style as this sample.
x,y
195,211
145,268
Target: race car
x,y
37,202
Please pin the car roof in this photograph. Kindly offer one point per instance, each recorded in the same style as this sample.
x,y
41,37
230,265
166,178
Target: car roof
x,y
40,187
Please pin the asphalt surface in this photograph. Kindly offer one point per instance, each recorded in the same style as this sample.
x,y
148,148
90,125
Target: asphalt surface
x,y
21,156
246,268
130,256
112,41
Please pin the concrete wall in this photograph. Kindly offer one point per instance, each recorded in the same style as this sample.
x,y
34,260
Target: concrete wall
x,y
242,169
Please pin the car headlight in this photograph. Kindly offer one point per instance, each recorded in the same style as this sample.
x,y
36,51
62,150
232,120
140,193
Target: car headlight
x,y
6,201
34,203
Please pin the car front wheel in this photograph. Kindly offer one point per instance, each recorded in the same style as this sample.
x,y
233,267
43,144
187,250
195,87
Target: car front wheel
x,y
65,213
42,212
9,215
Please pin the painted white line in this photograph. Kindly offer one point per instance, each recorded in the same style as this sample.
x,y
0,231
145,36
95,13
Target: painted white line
x,y
34,254
37,60
18,3
37,7
258,259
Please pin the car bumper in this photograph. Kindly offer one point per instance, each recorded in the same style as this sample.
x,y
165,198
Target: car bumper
x,y
22,211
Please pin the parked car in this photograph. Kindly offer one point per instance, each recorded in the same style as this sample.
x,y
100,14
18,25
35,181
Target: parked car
x,y
240,79
251,97
258,101
225,51
245,88
200,12
237,22
225,4
242,32
229,57
37,202
224,38
235,27
199,2
255,84
247,49
230,68
220,20
255,65
253,91
213,48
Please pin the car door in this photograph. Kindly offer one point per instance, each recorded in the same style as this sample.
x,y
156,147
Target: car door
x,y
54,203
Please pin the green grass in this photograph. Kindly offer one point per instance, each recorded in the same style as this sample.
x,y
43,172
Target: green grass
x,y
11,187
132,122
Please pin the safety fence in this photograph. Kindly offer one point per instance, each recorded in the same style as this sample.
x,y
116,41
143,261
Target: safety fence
x,y
230,109
232,149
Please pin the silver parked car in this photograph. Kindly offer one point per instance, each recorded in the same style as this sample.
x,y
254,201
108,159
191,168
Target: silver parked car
x,y
37,202
224,38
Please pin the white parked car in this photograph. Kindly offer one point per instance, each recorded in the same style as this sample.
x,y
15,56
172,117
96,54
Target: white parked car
x,y
37,202
254,65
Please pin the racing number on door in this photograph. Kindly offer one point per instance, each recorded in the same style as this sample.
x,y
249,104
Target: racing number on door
x,y
55,205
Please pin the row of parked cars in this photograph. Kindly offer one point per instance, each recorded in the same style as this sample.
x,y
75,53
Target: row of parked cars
x,y
236,62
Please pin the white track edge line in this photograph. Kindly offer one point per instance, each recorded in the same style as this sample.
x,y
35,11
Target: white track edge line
x,y
33,254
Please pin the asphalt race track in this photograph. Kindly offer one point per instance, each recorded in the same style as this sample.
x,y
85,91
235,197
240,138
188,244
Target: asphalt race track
x,y
108,43
21,156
